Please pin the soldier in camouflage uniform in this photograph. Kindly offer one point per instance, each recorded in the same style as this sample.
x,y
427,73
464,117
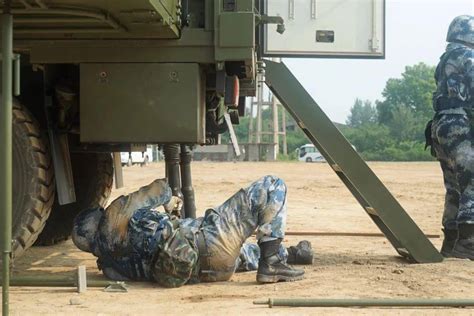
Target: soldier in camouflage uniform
x,y
452,136
133,241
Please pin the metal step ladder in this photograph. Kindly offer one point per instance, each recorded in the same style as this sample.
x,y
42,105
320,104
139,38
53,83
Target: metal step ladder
x,y
402,232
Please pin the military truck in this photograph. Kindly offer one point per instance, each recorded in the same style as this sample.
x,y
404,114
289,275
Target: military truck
x,y
92,78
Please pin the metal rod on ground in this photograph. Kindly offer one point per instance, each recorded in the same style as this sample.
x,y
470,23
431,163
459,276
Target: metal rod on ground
x,y
78,281
344,234
171,152
54,281
6,152
186,182
309,302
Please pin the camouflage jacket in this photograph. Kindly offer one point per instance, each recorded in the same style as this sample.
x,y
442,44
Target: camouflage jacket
x,y
160,249
455,79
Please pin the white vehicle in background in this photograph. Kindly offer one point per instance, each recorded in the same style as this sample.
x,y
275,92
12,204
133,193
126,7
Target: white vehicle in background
x,y
309,153
135,157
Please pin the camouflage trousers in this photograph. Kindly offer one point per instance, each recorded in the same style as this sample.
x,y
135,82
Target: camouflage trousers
x,y
262,208
453,143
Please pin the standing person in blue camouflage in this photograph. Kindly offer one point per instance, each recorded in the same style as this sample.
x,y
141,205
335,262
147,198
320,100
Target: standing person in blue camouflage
x,y
133,241
452,136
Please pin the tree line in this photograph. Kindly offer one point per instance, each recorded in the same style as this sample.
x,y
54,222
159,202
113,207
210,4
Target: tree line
x,y
392,129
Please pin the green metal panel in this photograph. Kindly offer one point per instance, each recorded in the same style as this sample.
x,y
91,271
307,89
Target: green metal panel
x,y
236,40
167,9
237,29
142,103
88,19
245,5
405,236
195,45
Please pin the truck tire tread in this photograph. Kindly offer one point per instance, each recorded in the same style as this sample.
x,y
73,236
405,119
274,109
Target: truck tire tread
x,y
95,192
41,195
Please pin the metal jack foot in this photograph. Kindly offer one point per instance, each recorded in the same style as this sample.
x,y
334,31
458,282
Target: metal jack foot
x,y
171,153
186,182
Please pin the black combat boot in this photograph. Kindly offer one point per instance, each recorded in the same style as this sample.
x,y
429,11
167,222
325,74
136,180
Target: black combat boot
x,y
450,237
464,247
271,267
301,253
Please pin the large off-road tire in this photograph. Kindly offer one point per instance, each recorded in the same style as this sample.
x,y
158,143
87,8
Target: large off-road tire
x,y
33,180
93,179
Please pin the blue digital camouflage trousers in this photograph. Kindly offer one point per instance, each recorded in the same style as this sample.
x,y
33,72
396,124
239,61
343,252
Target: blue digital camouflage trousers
x,y
261,207
453,143
130,232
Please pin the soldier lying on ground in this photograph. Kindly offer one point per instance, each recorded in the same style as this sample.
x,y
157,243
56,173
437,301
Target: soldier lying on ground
x,y
133,241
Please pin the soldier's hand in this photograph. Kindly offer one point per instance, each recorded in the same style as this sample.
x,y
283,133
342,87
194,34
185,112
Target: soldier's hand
x,y
174,206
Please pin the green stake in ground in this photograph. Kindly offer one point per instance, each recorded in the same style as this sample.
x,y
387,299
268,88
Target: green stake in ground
x,y
6,152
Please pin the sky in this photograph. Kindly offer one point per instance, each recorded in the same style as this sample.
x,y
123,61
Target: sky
x,y
415,32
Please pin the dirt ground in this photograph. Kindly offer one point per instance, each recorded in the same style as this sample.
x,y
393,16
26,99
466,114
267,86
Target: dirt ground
x,y
344,267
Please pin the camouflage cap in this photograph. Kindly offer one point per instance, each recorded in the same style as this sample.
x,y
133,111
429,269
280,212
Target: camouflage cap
x,y
176,261
461,29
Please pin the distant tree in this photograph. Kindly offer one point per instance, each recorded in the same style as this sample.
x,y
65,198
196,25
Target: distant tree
x,y
295,139
369,137
404,125
242,130
395,132
413,91
362,112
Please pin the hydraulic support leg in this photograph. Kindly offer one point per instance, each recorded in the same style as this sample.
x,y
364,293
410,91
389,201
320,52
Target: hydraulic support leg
x,y
6,153
402,232
118,171
186,182
171,153
59,143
